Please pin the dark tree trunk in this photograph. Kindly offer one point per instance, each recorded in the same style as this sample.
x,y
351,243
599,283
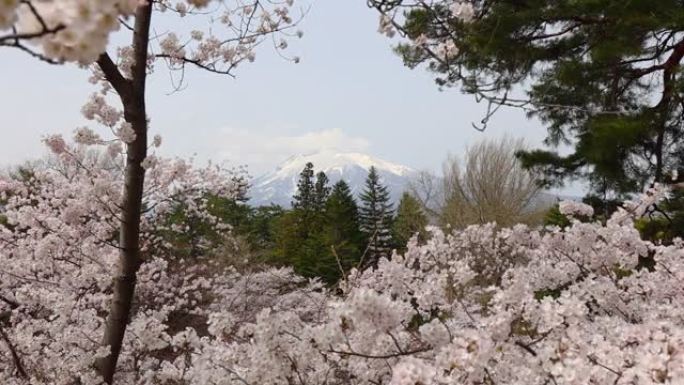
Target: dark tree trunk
x,y
132,94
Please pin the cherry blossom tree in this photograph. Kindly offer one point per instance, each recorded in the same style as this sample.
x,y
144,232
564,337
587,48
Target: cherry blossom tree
x,y
589,303
59,246
60,31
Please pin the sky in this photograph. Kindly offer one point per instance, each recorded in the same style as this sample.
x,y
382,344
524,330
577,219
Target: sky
x,y
349,92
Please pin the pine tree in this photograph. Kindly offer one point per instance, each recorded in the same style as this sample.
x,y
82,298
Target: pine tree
x,y
304,203
410,220
333,243
260,230
321,191
376,218
342,231
304,197
301,237
603,76
288,239
295,227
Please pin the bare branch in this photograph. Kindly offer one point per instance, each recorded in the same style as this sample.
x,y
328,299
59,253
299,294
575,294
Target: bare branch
x,y
382,356
15,356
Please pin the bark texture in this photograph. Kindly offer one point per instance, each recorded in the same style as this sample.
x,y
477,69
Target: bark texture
x,y
132,94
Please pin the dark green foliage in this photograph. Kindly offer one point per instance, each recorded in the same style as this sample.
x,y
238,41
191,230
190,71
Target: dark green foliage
x,y
604,76
305,196
288,239
317,260
231,211
305,217
193,236
341,229
603,205
321,191
296,229
333,244
555,168
321,238
554,217
543,293
375,217
254,226
410,220
260,227
647,262
622,273
666,222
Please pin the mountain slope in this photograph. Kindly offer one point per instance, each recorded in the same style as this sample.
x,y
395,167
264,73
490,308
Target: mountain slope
x,y
279,186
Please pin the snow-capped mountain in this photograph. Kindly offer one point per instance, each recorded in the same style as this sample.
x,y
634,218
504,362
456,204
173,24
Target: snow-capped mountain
x,y
280,185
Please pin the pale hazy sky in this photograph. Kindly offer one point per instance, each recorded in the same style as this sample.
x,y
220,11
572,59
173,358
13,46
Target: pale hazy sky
x,y
350,91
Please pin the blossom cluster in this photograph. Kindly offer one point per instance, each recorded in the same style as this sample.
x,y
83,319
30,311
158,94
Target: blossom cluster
x,y
572,208
79,30
68,30
591,303
234,34
571,306
58,242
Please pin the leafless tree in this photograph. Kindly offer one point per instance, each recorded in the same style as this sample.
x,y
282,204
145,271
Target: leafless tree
x,y
487,185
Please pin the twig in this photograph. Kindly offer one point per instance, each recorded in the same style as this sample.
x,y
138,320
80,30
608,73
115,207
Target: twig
x,y
382,356
15,356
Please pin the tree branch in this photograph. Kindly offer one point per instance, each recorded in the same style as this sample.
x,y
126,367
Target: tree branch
x,y
114,76
207,67
12,303
15,356
14,37
382,356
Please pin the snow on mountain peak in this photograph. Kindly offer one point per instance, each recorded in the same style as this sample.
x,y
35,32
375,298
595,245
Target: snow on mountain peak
x,y
327,160
279,186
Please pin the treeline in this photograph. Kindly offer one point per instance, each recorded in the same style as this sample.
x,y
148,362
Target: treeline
x,y
327,231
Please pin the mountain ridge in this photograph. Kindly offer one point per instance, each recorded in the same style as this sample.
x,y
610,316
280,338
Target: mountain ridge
x,y
278,186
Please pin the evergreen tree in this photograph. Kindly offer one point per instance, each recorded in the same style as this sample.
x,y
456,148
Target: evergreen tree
x,y
321,191
604,76
375,217
315,258
305,196
332,245
300,236
288,240
410,220
295,228
260,231
304,203
342,231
